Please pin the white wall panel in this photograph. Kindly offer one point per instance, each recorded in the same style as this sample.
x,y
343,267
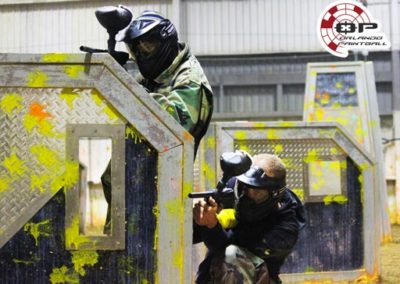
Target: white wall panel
x,y
61,27
260,26
210,26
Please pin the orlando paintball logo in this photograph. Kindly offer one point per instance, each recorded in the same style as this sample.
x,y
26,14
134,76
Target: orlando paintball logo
x,y
348,25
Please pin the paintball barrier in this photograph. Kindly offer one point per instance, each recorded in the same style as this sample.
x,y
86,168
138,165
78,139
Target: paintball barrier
x,y
333,176
54,110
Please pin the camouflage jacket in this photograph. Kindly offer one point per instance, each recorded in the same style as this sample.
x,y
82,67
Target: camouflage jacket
x,y
184,92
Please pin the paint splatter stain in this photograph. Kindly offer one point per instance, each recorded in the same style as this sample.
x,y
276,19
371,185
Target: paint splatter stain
x,y
64,275
82,258
37,78
74,71
131,132
14,165
38,229
55,57
10,103
69,96
37,110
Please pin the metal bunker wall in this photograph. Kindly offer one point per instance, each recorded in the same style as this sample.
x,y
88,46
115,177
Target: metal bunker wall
x,y
49,104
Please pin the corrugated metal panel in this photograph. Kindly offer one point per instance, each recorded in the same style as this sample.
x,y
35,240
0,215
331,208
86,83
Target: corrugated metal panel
x,y
261,26
385,98
211,27
249,99
60,27
293,98
254,26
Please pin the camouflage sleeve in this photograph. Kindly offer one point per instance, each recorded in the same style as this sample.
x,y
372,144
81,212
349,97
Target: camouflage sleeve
x,y
183,103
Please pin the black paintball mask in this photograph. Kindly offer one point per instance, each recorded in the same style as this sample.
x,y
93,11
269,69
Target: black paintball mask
x,y
153,41
247,210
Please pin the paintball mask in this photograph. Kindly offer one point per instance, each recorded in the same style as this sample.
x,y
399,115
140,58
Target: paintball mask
x,y
247,210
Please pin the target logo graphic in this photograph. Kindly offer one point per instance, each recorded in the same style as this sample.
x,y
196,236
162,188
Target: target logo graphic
x,y
346,25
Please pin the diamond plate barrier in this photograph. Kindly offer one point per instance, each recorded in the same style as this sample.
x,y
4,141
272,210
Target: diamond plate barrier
x,y
341,239
43,95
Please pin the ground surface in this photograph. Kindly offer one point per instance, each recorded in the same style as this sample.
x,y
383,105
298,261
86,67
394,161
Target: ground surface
x,y
390,259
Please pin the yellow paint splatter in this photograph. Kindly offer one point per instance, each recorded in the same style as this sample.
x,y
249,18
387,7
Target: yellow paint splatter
x,y
71,173
311,156
209,173
55,57
174,207
73,71
72,237
46,157
44,127
38,182
156,213
97,98
64,275
69,97
287,123
11,102
342,121
38,229
319,114
243,146
37,78
272,134
81,258
240,135
14,165
131,132
177,258
278,148
333,151
5,181
210,142
340,199
187,188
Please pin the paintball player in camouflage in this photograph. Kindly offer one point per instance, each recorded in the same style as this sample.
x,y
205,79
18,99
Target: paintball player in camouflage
x,y
172,76
248,244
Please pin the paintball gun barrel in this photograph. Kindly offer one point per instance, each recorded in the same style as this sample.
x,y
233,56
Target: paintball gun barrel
x,y
232,164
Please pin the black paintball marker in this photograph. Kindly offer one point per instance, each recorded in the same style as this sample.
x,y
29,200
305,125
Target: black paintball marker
x,y
113,19
232,164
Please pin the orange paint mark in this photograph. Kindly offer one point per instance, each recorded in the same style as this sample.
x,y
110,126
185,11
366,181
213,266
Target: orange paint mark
x,y
187,136
37,110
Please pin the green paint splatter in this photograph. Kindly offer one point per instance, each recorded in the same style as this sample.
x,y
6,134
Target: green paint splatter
x,y
81,258
64,275
11,102
38,229
37,78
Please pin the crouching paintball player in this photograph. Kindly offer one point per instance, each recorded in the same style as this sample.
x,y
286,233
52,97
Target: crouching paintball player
x,y
249,243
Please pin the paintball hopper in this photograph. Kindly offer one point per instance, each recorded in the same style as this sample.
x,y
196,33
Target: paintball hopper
x,y
114,19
